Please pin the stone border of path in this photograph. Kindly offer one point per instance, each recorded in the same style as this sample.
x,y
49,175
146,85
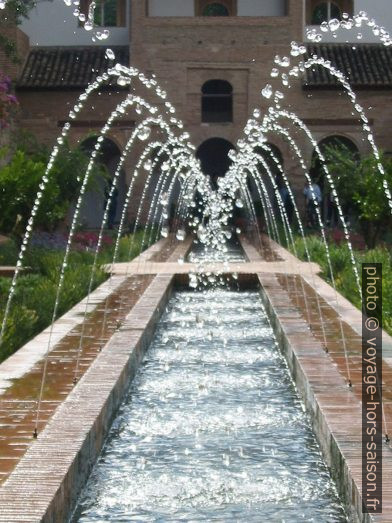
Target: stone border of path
x,y
346,310
47,481
334,410
27,356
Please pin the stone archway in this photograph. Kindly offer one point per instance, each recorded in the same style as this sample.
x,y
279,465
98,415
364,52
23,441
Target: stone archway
x,y
329,213
96,197
213,155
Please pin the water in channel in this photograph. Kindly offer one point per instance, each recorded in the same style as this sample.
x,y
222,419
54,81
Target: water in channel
x,y
212,428
203,254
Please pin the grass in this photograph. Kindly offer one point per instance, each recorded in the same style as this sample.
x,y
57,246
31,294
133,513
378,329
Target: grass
x,y
344,273
32,306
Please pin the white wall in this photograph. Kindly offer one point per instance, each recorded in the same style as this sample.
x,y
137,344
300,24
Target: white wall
x,y
171,7
261,7
380,10
244,7
53,23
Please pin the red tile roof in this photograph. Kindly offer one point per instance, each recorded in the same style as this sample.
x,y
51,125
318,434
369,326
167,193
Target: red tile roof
x,y
366,66
67,67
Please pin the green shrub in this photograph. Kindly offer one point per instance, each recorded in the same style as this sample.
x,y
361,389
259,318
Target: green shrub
x,y
343,270
8,253
35,294
21,326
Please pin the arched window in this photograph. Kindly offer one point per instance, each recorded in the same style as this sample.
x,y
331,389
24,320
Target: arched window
x,y
107,13
215,9
324,12
96,198
338,142
211,8
319,11
217,102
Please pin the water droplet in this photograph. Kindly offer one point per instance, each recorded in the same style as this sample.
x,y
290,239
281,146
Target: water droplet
x,y
267,91
144,133
334,24
110,54
181,234
324,27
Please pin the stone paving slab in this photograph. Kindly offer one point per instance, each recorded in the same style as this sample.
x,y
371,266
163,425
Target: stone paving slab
x,y
321,377
21,374
349,314
242,268
335,410
24,359
47,480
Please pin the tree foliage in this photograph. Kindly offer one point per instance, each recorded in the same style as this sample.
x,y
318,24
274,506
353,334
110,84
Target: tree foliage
x,y
17,10
360,185
14,14
20,181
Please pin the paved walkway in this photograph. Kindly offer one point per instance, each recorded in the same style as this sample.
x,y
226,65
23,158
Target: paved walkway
x,y
71,350
291,286
282,267
339,405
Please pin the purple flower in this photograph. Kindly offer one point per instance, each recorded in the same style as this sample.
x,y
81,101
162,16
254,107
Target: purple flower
x,y
12,98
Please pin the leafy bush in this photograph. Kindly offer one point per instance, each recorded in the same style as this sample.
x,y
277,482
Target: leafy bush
x,y
21,178
21,326
359,185
8,253
35,293
344,273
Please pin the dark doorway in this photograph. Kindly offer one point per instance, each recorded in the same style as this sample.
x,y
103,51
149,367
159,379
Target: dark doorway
x,y
213,155
96,197
329,209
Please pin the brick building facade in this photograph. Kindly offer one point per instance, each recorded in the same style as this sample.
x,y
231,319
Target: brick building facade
x,y
205,61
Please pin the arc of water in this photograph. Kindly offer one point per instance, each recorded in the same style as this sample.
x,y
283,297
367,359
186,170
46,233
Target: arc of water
x,y
335,26
363,118
158,194
99,243
171,140
301,228
253,159
294,118
293,145
298,154
131,73
120,109
286,225
164,127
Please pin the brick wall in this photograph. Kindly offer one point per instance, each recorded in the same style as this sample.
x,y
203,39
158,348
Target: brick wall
x,y
186,52
21,41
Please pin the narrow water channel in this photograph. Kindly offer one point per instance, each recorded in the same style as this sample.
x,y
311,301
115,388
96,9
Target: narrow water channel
x,y
233,253
212,428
